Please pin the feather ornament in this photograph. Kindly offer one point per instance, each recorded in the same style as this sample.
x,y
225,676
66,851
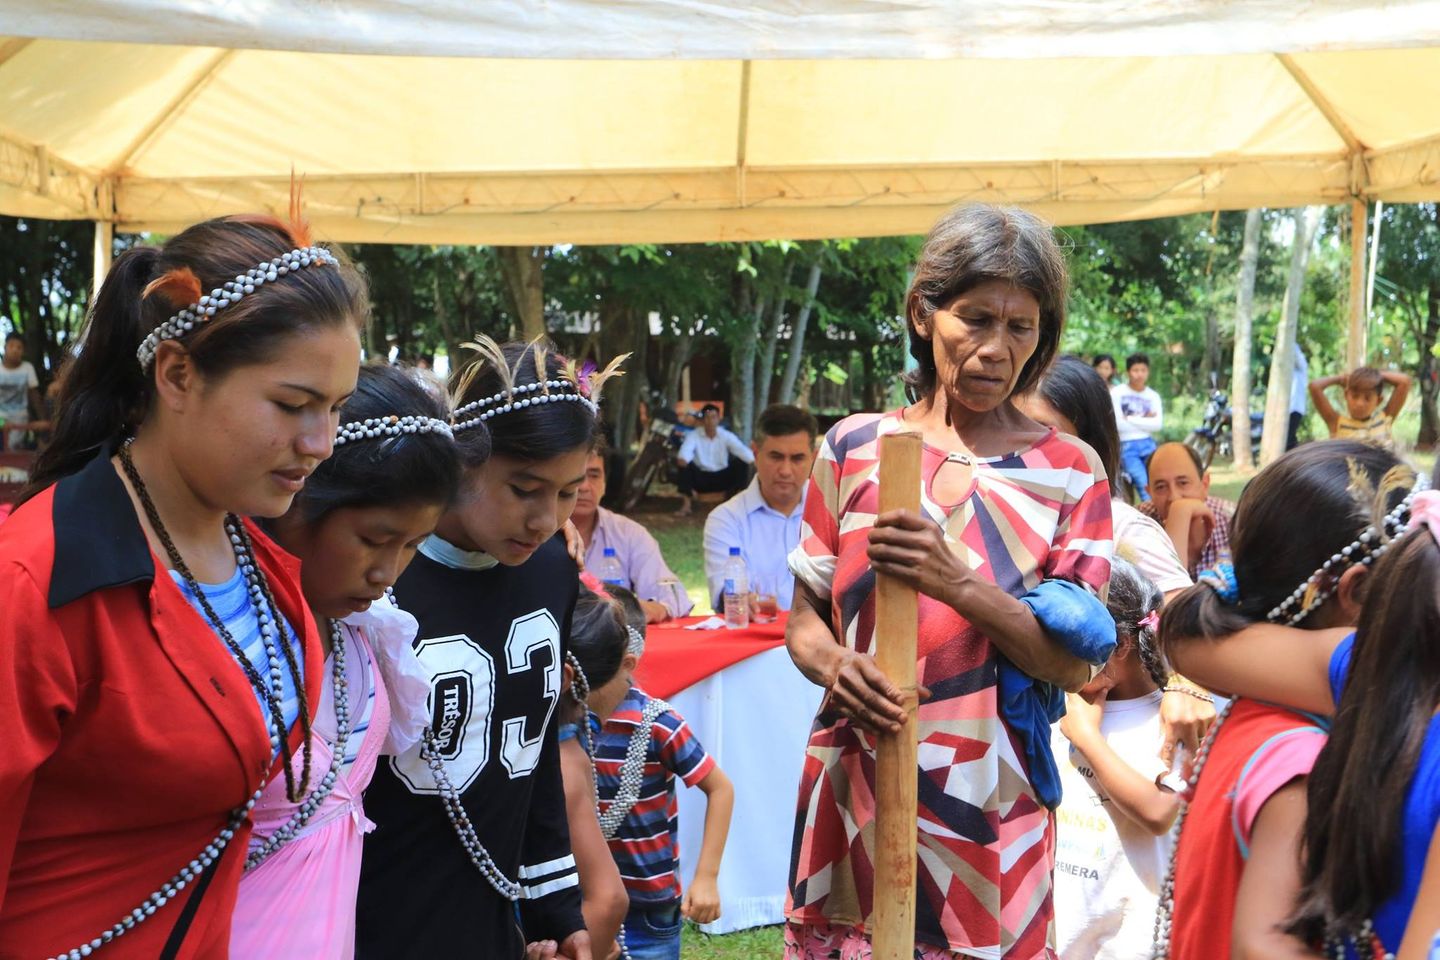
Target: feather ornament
x,y
180,287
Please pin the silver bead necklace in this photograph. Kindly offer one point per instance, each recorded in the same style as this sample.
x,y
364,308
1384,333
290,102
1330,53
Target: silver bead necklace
x,y
259,596
460,820
341,684
1165,908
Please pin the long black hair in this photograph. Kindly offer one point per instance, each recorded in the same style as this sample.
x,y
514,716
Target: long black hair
x,y
106,392
1079,394
1354,829
410,468
598,638
1295,514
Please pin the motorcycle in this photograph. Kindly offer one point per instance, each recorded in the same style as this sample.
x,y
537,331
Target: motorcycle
x,y
656,459
1213,435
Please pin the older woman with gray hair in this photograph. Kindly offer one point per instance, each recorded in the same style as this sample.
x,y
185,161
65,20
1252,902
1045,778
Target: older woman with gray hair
x,y
1008,553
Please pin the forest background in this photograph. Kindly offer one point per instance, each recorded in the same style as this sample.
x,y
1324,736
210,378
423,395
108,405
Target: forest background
x,y
820,322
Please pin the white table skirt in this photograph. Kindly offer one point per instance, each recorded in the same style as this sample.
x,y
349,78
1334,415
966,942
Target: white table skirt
x,y
754,718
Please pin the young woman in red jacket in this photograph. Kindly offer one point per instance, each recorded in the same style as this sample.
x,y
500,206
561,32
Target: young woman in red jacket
x,y
157,663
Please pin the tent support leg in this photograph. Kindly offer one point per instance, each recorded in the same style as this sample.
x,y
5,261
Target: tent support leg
x,y
1355,347
104,244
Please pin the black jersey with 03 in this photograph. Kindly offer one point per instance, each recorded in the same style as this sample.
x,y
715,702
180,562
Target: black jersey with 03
x,y
492,641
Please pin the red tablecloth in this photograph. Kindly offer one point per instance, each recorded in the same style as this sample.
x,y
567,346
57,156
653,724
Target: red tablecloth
x,y
675,657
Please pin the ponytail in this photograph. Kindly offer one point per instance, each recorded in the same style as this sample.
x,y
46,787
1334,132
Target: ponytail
x,y
107,391
103,389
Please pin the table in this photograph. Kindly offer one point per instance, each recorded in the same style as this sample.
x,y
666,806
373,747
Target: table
x,y
752,710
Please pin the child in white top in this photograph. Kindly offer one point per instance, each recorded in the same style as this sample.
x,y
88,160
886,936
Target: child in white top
x,y
1119,801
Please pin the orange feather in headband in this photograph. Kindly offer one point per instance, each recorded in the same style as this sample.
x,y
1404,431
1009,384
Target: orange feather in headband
x,y
180,287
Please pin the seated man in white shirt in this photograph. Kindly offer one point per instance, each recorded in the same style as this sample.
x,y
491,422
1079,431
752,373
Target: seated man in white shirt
x,y
639,555
764,520
711,459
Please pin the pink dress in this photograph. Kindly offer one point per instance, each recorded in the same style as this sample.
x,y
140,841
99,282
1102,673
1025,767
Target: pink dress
x,y
300,902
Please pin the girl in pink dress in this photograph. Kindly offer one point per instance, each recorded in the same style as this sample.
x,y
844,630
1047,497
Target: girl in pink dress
x,y
355,527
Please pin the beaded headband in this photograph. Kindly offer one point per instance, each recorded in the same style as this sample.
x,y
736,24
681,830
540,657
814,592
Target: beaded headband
x,y
637,641
391,426
1364,550
508,400
232,292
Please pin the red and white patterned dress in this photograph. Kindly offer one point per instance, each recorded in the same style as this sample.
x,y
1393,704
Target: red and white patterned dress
x,y
986,847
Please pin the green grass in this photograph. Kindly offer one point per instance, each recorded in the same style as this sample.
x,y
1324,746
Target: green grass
x,y
762,943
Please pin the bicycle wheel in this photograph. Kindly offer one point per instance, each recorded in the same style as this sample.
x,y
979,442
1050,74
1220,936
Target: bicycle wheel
x,y
640,475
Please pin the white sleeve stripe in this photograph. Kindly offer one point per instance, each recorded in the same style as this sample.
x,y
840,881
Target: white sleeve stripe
x,y
566,862
545,889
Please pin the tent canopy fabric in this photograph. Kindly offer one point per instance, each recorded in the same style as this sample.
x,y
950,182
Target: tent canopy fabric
x,y
586,121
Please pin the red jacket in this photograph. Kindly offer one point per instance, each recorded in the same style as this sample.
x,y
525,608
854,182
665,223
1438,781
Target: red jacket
x,y
127,730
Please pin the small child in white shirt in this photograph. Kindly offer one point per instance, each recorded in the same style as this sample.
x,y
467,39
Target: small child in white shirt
x,y
1119,799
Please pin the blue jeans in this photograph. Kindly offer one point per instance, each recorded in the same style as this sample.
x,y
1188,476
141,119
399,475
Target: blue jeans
x,y
652,931
1133,454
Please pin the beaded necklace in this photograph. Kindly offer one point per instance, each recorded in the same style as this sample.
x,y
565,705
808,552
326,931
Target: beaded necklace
x,y
460,820
1165,909
260,598
267,613
341,685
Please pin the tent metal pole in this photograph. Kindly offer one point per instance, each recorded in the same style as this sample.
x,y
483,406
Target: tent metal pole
x,y
104,245
1355,347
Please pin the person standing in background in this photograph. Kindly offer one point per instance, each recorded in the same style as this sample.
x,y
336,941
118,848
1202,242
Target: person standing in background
x,y
1138,415
1299,397
19,389
1104,364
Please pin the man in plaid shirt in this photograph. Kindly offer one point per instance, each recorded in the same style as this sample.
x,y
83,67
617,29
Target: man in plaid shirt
x,y
1180,500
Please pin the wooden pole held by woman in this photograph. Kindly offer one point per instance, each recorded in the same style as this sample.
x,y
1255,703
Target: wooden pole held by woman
x,y
896,765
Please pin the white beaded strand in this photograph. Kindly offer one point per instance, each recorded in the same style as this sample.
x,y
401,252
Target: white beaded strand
x,y
391,426
287,831
170,889
460,820
521,404
232,291
505,395
1364,550
1165,908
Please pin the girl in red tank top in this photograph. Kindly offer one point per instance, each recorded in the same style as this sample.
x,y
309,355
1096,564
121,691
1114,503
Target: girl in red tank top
x,y
1236,868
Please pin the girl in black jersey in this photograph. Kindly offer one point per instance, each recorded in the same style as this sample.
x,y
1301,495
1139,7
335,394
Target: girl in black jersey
x,y
471,856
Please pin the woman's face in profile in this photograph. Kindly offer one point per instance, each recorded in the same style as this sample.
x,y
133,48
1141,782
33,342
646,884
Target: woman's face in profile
x,y
982,340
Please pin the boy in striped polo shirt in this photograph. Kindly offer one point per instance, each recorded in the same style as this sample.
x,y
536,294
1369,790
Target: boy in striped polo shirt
x,y
638,812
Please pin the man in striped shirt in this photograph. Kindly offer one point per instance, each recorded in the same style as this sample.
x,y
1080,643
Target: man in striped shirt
x,y
646,845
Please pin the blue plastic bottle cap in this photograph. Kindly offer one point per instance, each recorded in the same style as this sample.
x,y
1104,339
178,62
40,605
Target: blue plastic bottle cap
x,y
734,551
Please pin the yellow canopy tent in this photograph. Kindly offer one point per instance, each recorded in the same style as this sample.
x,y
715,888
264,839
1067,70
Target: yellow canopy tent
x,y
589,121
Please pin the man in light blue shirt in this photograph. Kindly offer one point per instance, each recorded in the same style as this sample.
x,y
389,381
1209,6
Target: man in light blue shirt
x,y
764,519
711,459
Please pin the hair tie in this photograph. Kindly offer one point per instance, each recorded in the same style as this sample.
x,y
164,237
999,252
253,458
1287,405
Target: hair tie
x,y
1151,621
1221,579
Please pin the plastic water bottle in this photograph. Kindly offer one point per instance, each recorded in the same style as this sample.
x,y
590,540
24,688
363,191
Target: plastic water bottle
x,y
737,592
610,570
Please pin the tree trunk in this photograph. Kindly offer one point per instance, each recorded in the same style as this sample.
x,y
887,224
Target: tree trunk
x,y
1429,387
742,391
1240,365
453,338
772,337
1282,359
520,268
636,379
680,353
797,336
